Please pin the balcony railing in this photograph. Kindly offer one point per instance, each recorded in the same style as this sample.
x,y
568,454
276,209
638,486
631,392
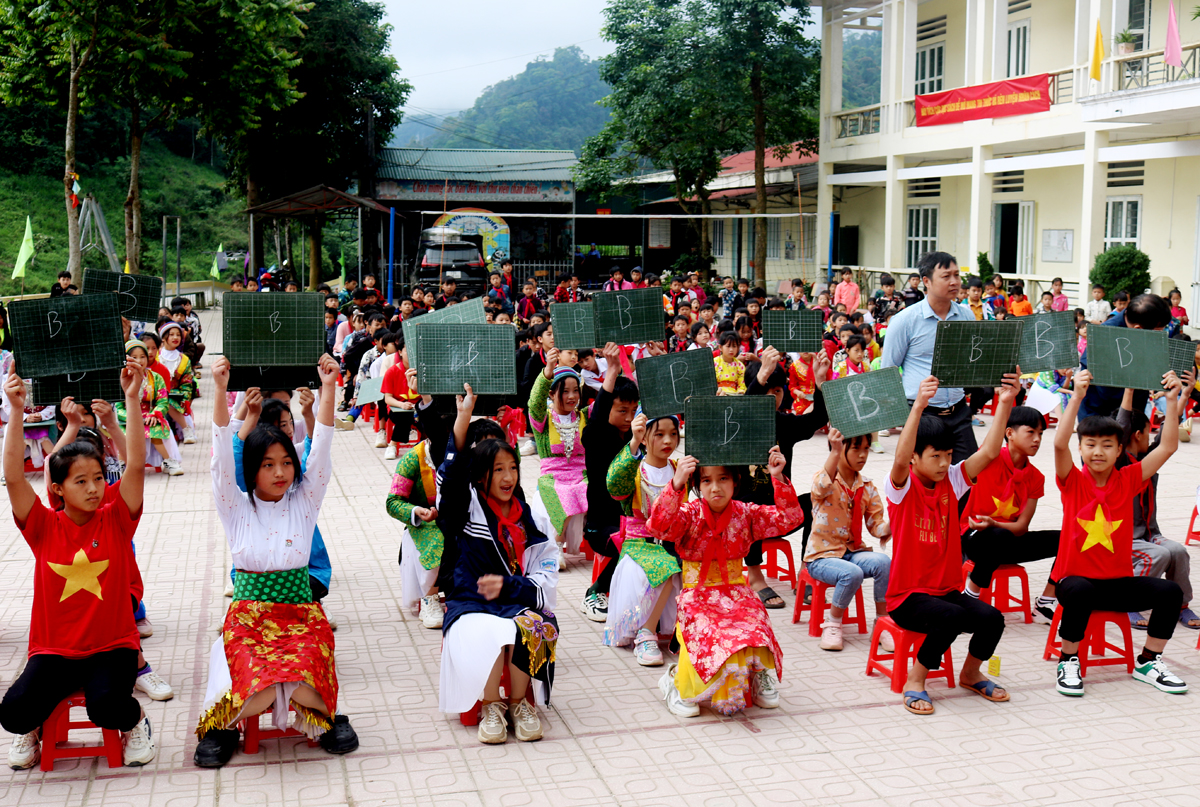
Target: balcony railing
x,y
1062,86
1147,68
855,122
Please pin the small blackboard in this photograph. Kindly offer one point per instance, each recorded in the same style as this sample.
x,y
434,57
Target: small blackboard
x,y
629,317
69,334
470,312
83,387
792,331
865,403
975,354
666,382
574,326
1048,342
1181,356
1127,358
730,429
139,296
447,355
274,378
274,330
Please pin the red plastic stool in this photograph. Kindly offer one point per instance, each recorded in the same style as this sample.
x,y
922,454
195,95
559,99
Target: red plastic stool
x,y
253,733
906,643
598,564
816,610
998,593
772,549
471,716
1095,642
1192,534
54,731
989,408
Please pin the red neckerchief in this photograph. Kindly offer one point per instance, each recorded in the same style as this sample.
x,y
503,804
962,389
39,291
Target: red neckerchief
x,y
856,515
1018,481
500,292
510,531
717,524
528,307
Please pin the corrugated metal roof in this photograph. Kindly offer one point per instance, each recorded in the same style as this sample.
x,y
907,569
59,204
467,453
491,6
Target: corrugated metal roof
x,y
475,164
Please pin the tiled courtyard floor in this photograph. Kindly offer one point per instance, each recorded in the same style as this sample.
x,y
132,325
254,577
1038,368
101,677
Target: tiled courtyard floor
x,y
838,738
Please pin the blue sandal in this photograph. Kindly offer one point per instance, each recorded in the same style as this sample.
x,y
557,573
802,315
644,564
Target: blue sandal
x,y
912,696
1134,618
987,689
1186,616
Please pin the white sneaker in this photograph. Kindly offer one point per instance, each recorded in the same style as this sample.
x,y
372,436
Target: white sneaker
x,y
562,560
431,612
172,467
1157,675
646,650
525,721
154,686
145,628
492,729
139,744
332,620
229,588
381,440
886,644
25,751
189,435
766,692
595,607
676,705
831,636
529,449
391,453
345,424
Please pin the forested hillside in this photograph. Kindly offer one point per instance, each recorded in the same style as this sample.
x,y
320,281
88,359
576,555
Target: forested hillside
x,y
551,104
861,54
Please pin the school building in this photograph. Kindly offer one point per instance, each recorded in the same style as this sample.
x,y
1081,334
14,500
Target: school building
x,y
990,135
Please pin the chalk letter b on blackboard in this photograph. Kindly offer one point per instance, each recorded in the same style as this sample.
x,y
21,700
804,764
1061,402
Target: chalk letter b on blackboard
x,y
1039,330
53,323
729,421
976,350
128,301
623,306
1124,357
679,373
858,398
791,330
275,323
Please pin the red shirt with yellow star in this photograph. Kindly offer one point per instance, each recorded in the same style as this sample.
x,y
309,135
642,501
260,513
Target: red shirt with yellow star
x,y
1097,531
926,540
1003,490
82,581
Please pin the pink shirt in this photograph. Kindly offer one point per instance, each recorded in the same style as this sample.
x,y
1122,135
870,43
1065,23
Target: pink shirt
x,y
847,292
1060,303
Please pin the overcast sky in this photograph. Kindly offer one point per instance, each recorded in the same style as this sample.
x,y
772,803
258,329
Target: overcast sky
x,y
442,47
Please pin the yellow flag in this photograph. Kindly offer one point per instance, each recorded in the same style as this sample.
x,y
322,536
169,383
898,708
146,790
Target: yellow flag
x,y
1097,54
26,251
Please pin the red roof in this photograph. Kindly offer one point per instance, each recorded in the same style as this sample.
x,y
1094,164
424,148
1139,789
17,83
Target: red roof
x,y
740,163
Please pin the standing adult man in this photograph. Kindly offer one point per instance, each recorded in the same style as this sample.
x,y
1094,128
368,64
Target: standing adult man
x,y
909,345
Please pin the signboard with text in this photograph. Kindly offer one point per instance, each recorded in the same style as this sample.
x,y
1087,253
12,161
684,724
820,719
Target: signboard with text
x,y
435,191
1014,96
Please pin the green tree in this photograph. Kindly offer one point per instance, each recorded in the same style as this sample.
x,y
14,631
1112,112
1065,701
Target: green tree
x,y
862,54
349,85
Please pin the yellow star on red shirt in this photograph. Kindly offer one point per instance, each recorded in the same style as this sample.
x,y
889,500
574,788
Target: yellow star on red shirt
x,y
1099,531
1005,509
81,575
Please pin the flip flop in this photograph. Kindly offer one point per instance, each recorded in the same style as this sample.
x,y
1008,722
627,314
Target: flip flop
x,y
1134,616
1185,616
769,593
912,696
987,689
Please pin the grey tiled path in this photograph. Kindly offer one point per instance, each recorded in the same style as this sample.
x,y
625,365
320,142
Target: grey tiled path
x,y
838,738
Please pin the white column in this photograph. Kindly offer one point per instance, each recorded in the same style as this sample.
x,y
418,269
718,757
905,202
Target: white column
x,y
824,209
981,203
1091,211
908,52
893,216
999,40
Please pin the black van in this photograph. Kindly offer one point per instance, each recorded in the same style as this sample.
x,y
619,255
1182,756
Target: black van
x,y
444,257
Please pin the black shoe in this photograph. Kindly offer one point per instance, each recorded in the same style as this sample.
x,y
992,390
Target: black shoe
x,y
216,748
340,739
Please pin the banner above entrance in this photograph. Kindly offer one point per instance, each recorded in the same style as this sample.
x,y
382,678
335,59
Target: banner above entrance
x,y
1014,96
482,191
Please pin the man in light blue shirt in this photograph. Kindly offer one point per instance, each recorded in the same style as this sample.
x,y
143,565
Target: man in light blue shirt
x,y
909,346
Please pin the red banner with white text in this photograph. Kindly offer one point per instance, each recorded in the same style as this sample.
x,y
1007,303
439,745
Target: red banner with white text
x,y
1014,96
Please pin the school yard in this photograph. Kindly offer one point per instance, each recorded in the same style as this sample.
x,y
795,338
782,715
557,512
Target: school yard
x,y
839,737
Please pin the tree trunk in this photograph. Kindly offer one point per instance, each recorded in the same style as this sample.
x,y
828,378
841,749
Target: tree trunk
x,y
74,248
291,261
760,170
133,199
256,240
315,234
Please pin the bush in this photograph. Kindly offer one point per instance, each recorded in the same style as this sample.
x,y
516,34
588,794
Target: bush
x,y
986,270
1124,268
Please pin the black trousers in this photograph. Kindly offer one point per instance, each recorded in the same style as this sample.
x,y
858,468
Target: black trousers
x,y
943,618
754,556
599,538
1079,596
402,423
994,547
979,397
105,678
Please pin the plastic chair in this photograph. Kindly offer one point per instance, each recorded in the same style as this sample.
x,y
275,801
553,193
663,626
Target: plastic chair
x,y
598,564
906,643
56,727
1095,643
856,615
1192,534
998,593
471,716
252,733
772,549
989,408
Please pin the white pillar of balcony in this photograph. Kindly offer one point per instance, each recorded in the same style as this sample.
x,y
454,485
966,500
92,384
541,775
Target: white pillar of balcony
x,y
981,202
999,40
906,29
831,104
1091,215
894,216
975,34
890,121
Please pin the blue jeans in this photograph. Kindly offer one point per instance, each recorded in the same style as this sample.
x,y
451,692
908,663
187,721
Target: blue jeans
x,y
846,574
